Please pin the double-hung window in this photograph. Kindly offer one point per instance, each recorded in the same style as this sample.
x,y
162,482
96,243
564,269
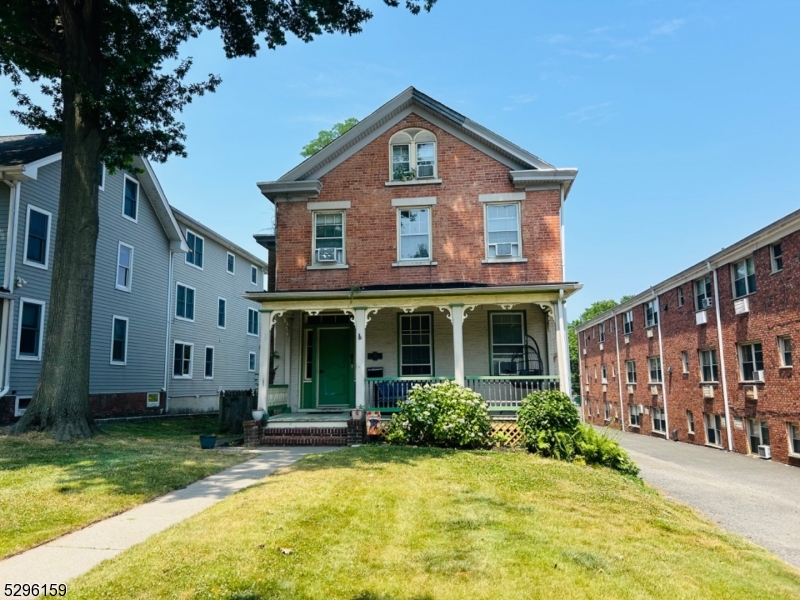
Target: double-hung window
x,y
182,360
208,371
119,340
654,362
659,420
414,234
502,231
130,199
627,322
416,345
252,321
751,360
31,325
651,313
221,315
328,238
124,267
776,257
713,428
785,350
507,342
702,293
195,254
413,155
37,238
708,366
744,277
630,368
758,434
184,302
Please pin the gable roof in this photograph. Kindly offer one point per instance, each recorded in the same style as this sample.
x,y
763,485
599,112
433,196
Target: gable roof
x,y
529,167
22,155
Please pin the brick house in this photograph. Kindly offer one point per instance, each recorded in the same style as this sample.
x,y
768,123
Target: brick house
x,y
417,246
705,356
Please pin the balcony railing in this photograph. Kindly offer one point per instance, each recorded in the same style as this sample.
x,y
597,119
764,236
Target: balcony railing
x,y
503,393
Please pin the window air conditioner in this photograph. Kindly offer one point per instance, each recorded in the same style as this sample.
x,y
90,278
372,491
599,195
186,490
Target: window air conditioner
x,y
701,318
631,389
654,390
741,306
758,375
627,339
326,254
708,391
764,452
650,333
502,250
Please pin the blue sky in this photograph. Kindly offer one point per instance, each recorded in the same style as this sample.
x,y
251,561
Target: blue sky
x,y
681,116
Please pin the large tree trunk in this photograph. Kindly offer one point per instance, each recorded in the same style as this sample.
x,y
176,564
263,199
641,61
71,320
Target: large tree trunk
x,y
61,400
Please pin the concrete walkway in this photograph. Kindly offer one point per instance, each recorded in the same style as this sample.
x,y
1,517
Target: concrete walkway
x,y
754,498
75,553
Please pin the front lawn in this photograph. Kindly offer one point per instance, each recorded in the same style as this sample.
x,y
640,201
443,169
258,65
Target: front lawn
x,y
49,489
383,523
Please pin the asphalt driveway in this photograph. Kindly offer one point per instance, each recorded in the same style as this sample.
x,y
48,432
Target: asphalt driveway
x,y
757,499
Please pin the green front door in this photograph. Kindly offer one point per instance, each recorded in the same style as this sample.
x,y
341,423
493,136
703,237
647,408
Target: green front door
x,y
334,367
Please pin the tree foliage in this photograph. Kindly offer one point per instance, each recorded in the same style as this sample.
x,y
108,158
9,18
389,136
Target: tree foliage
x,y
326,136
115,79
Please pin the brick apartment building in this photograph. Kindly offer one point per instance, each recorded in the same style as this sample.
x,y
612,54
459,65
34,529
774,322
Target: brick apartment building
x,y
705,356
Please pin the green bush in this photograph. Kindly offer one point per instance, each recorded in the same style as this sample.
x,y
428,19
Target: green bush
x,y
443,414
548,419
551,426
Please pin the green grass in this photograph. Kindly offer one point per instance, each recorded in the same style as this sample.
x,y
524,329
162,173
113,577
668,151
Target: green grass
x,y
383,523
49,489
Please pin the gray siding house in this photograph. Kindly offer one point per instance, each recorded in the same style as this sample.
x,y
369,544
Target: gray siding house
x,y
139,243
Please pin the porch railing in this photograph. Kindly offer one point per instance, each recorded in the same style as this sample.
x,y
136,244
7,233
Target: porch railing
x,y
503,393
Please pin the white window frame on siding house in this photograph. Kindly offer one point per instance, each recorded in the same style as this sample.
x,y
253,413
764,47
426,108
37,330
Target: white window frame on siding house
x,y
205,362
223,304
493,235
120,266
252,322
251,362
126,178
22,303
339,252
193,257
230,263
254,274
124,360
183,346
179,285
30,262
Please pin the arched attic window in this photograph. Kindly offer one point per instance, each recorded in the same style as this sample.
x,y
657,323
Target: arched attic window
x,y
412,155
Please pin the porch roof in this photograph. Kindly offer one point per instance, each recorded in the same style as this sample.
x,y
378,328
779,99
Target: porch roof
x,y
399,298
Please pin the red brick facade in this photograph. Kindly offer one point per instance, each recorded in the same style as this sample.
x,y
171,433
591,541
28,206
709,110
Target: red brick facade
x,y
774,312
457,222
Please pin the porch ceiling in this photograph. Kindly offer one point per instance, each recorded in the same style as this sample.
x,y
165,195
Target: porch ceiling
x,y
340,300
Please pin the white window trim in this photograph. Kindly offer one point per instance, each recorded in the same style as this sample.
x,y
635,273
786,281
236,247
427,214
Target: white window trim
x,y
18,412
138,194
191,360
102,185
249,310
25,260
186,256
254,362
229,254
415,261
317,265
130,269
213,361
254,269
111,360
510,259
194,306
226,313
42,321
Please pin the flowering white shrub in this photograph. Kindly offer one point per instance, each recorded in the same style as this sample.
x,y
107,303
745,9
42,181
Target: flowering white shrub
x,y
443,414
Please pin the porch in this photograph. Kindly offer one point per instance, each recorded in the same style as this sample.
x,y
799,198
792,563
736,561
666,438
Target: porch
x,y
335,351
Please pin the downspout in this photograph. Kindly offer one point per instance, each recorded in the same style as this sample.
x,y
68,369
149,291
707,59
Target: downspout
x,y
619,375
722,362
663,367
169,332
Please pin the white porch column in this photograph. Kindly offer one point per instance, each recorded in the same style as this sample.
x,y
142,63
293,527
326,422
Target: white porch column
x,y
263,359
360,319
